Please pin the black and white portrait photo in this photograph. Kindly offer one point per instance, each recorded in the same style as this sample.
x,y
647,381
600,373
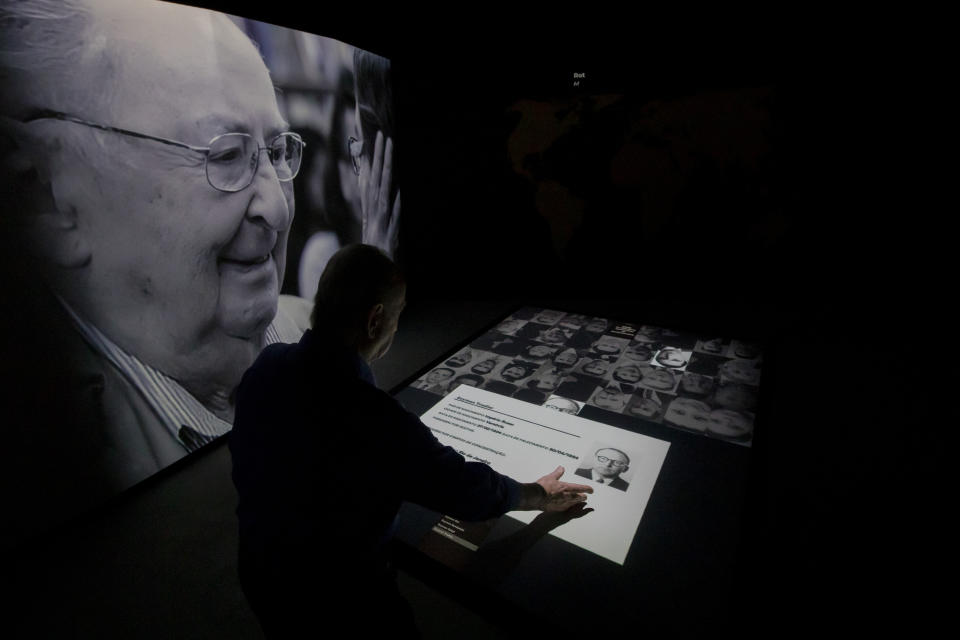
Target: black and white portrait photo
x,y
460,359
175,179
648,405
606,465
563,405
436,381
610,397
672,358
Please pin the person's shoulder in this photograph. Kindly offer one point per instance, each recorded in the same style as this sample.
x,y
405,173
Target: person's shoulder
x,y
273,353
583,472
268,362
377,400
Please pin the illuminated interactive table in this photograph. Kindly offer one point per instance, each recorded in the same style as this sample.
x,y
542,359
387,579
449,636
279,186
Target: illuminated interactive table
x,y
659,422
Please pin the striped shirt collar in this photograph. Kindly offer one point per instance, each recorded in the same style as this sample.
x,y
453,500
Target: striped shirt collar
x,y
187,420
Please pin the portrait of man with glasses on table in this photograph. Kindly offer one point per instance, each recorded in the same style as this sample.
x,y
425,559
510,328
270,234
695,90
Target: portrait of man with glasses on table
x,y
148,187
605,466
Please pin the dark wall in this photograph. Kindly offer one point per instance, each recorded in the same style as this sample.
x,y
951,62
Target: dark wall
x,y
695,167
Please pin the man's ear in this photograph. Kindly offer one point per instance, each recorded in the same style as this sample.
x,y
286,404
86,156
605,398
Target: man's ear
x,y
374,321
49,218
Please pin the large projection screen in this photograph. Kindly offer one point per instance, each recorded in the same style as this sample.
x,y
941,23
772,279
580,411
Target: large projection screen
x,y
670,414
146,265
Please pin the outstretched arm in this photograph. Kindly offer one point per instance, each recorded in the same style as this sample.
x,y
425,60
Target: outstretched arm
x,y
550,494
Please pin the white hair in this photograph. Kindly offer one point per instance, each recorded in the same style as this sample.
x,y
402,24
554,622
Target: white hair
x,y
43,46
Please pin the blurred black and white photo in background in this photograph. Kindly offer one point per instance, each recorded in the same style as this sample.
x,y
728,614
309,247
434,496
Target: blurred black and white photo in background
x,y
319,95
154,155
706,385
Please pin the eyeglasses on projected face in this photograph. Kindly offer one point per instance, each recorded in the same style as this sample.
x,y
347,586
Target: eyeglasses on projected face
x,y
615,463
230,161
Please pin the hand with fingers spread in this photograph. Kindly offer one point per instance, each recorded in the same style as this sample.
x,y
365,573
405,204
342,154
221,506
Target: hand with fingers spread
x,y
381,218
549,493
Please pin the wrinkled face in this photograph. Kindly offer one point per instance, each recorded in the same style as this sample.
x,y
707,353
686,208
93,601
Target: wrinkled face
x,y
568,357
460,359
689,413
671,358
610,463
187,276
484,366
439,375
659,379
628,373
740,371
610,399
513,373
729,424
696,383
562,405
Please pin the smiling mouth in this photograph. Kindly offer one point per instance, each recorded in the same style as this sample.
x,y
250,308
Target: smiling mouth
x,y
253,262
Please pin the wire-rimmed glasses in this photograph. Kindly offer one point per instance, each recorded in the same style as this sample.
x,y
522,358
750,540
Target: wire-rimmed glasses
x,y
231,160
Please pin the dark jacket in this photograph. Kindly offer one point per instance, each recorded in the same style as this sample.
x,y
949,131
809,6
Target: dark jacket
x,y
322,459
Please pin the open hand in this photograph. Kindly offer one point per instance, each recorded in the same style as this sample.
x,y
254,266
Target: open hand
x,y
560,496
380,218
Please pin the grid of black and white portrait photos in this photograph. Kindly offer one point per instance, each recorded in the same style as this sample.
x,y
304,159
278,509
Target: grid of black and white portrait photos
x,y
699,384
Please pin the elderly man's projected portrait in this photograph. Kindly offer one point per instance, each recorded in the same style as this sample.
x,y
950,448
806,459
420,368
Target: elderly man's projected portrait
x,y
150,167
